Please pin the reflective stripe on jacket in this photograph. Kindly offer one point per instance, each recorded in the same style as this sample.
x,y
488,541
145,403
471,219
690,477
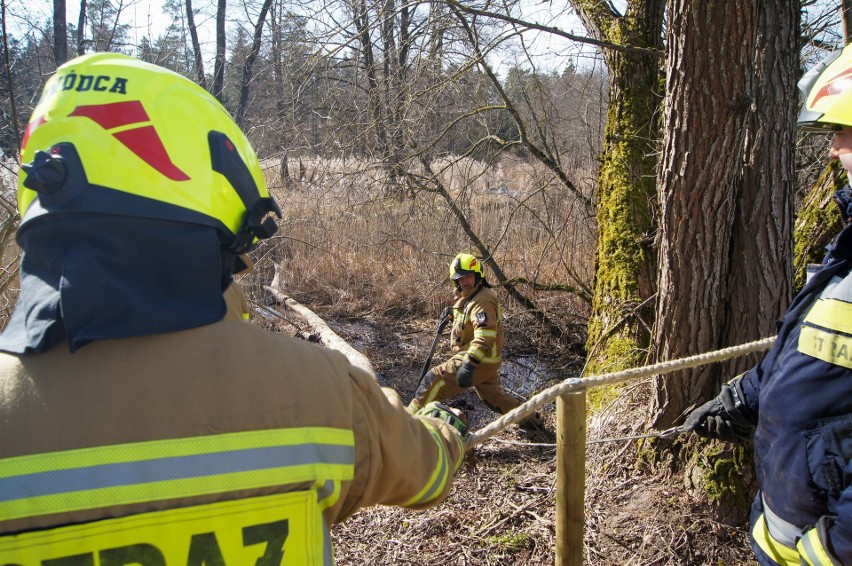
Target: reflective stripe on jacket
x,y
478,326
200,417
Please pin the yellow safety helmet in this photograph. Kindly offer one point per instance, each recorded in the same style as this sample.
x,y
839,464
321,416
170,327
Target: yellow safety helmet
x,y
464,264
112,134
827,90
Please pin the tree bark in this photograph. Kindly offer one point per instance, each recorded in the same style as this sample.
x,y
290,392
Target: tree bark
x,y
622,312
245,83
817,221
196,46
219,64
60,32
81,29
726,188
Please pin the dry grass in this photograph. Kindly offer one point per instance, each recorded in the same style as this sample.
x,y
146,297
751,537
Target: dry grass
x,y
347,246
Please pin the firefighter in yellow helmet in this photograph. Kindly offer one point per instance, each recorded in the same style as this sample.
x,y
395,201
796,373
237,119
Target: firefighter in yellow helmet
x,y
476,340
138,425
236,303
796,403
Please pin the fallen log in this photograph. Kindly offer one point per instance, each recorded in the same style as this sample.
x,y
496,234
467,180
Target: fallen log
x,y
327,336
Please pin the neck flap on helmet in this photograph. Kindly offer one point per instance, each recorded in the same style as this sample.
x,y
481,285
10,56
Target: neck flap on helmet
x,y
87,277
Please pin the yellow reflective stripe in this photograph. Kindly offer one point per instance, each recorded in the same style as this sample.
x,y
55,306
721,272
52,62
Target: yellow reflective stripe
x,y
484,332
811,550
491,360
328,494
476,353
281,529
94,477
438,480
831,314
457,438
826,346
780,553
433,392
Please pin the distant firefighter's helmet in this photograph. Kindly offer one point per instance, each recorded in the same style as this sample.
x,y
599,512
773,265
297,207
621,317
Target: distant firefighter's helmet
x,y
463,264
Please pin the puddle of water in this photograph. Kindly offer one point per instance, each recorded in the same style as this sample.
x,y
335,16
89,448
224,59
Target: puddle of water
x,y
525,375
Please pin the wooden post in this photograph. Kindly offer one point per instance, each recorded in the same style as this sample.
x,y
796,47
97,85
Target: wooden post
x,y
570,478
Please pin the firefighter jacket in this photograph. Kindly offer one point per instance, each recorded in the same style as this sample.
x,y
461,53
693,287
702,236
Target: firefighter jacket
x,y
801,393
478,326
236,303
476,335
221,444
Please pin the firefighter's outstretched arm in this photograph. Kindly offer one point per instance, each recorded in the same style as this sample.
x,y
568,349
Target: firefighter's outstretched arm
x,y
412,458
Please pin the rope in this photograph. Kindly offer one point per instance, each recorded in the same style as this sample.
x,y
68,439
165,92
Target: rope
x,y
577,384
664,434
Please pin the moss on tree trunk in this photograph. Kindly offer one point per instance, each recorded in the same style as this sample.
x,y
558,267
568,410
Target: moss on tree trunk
x,y
619,328
817,221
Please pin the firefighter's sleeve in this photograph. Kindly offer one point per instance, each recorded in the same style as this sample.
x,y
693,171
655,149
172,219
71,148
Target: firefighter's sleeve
x,y
815,546
482,348
829,542
400,459
748,387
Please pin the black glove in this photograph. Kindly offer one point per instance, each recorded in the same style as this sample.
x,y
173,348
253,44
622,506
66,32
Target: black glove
x,y
724,418
464,375
441,412
447,313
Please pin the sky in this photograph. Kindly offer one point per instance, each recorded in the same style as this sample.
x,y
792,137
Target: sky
x,y
146,18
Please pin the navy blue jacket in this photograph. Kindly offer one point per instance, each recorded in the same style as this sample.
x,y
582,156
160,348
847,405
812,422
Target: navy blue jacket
x,y
802,394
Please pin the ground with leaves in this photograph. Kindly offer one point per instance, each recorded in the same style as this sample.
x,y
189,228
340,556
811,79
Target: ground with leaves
x,y
501,509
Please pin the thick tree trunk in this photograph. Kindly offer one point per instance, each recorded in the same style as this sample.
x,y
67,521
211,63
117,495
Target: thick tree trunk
x,y
726,187
619,328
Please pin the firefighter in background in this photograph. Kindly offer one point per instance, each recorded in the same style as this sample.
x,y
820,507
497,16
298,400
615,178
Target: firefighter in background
x,y
476,340
236,303
139,427
799,397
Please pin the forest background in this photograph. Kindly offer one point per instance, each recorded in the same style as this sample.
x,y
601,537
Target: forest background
x,y
636,189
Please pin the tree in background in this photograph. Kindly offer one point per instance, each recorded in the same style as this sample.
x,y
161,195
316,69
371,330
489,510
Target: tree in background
x,y
624,284
219,63
106,32
60,32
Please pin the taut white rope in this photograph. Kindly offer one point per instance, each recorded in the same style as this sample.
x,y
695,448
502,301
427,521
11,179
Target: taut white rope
x,y
575,384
